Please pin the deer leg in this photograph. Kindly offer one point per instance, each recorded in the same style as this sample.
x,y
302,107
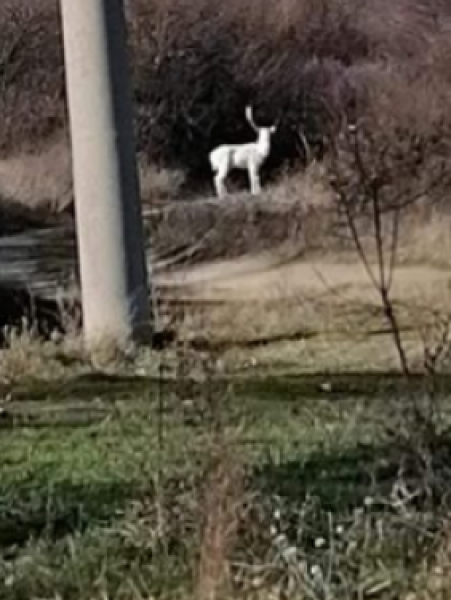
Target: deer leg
x,y
219,181
254,181
220,187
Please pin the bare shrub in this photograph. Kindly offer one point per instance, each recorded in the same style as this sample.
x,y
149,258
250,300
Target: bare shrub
x,y
31,74
159,184
392,157
195,68
397,149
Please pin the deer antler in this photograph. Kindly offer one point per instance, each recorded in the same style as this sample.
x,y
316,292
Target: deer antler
x,y
250,118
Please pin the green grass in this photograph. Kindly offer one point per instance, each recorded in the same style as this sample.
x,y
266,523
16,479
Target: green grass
x,y
81,500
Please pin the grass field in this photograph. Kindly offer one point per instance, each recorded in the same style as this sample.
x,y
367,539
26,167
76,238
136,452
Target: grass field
x,y
132,487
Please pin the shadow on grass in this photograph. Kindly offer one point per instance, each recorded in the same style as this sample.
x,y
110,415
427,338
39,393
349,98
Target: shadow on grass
x,y
90,398
92,386
339,481
342,479
274,387
33,512
341,386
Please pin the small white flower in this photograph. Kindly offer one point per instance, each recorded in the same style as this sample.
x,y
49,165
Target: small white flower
x,y
277,514
315,571
290,553
326,387
339,530
320,542
368,501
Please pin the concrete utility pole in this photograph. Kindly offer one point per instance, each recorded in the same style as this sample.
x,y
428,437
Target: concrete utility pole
x,y
115,295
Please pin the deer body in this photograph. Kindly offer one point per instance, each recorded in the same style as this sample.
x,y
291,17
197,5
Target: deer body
x,y
250,157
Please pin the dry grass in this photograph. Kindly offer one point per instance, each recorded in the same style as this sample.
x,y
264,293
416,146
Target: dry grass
x,y
40,181
223,501
312,490
27,356
425,238
159,184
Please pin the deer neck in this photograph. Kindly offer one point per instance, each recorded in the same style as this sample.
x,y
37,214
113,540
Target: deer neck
x,y
263,142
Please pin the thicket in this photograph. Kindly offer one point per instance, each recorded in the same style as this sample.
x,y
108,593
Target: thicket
x,y
308,64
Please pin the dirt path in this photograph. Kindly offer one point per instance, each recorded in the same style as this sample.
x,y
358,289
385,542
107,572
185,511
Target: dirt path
x,y
267,277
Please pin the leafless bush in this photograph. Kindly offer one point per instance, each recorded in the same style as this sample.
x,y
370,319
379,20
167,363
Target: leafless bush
x,y
305,61
31,74
395,154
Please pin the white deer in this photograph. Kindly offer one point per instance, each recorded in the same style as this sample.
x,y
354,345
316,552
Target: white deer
x,y
249,156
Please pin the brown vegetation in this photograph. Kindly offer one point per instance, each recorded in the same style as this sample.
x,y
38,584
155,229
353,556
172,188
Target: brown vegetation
x,y
307,63
315,65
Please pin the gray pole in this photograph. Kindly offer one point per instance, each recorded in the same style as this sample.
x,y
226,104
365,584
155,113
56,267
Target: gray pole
x,y
115,296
